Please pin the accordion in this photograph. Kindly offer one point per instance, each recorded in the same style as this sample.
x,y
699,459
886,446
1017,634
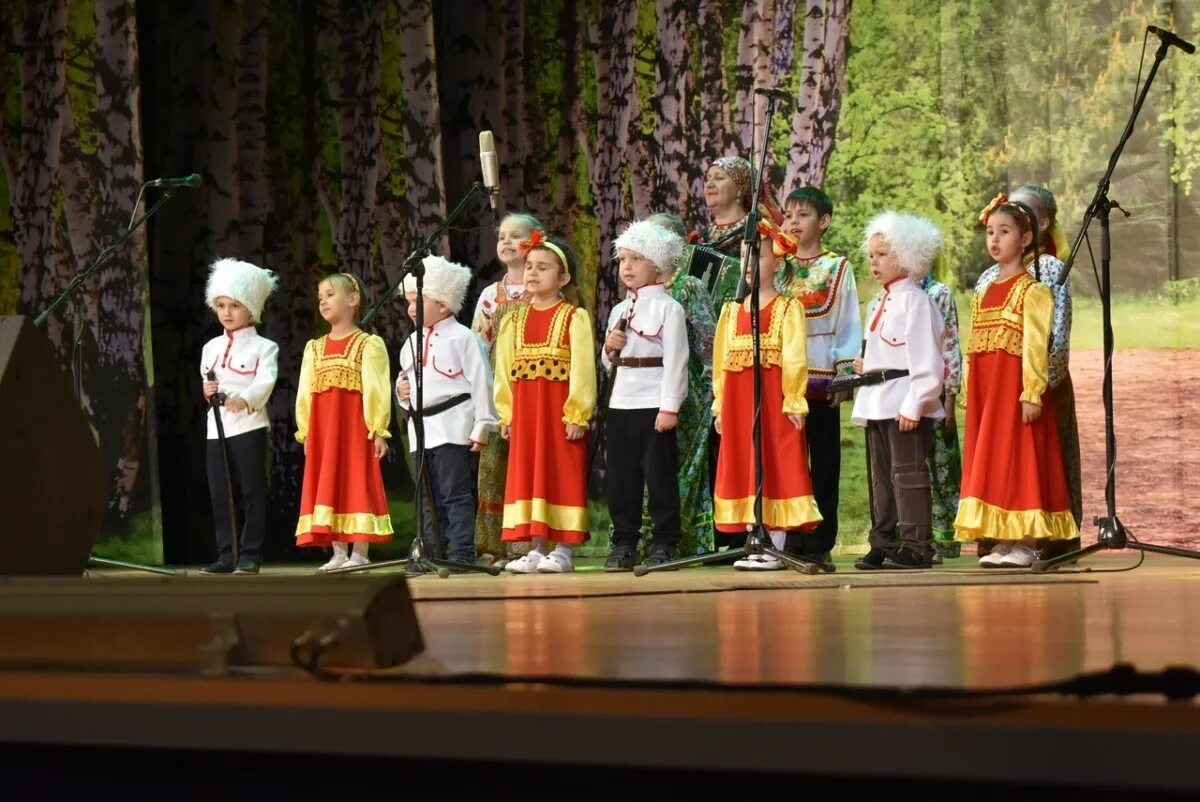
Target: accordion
x,y
716,269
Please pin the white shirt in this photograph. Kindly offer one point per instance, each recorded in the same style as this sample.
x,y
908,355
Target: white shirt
x,y
246,366
904,331
455,362
657,328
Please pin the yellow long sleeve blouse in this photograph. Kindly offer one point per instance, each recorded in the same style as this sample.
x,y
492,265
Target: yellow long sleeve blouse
x,y
362,367
569,345
784,343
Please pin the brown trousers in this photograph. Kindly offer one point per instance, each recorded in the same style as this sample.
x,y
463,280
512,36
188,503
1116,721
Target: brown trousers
x,y
901,500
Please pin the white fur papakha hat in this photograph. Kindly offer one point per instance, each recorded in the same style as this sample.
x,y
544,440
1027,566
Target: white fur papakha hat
x,y
245,283
445,281
651,240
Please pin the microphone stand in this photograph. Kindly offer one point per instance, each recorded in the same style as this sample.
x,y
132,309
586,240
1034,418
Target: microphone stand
x,y
1112,534
758,541
217,404
418,554
68,294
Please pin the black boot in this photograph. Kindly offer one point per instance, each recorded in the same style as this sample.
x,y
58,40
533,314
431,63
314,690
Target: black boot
x,y
872,560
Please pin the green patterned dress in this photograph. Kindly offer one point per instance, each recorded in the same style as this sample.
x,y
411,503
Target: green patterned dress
x,y
695,418
496,301
946,461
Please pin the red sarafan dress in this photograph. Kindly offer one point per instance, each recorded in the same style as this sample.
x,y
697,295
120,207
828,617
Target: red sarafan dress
x,y
545,379
1013,484
343,402
788,502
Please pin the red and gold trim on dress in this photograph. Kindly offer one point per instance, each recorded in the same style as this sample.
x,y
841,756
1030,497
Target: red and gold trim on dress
x,y
732,514
548,359
350,526
537,517
342,370
1000,328
739,354
977,519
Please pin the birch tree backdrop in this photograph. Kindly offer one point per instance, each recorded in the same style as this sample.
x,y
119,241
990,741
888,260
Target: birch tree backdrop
x,y
334,134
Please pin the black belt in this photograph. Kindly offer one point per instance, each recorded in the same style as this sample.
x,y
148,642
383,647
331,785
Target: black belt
x,y
637,361
440,406
845,383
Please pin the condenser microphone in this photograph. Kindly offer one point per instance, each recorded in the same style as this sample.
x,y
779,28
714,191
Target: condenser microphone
x,y
191,181
490,166
1169,38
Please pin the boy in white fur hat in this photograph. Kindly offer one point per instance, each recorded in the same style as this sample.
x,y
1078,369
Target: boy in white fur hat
x,y
245,366
650,358
457,410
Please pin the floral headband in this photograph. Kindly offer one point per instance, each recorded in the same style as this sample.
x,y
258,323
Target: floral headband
x,y
537,239
1001,201
782,243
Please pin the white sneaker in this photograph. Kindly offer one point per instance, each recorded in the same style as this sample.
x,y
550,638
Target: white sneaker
x,y
1019,557
338,560
356,559
759,562
558,561
994,557
525,565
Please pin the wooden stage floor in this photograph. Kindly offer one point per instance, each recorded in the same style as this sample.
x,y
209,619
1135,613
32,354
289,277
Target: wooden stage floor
x,y
624,665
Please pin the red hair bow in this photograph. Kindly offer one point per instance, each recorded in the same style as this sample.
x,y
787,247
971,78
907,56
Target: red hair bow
x,y
537,238
782,243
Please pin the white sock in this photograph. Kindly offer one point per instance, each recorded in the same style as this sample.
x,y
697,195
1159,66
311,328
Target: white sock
x,y
360,548
778,536
539,545
566,551
339,548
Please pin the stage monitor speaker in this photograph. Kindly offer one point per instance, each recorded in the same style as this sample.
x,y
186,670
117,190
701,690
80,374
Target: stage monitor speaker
x,y
205,625
53,484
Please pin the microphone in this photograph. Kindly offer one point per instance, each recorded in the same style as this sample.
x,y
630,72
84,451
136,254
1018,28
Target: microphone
x,y
191,182
218,399
490,166
1169,38
777,94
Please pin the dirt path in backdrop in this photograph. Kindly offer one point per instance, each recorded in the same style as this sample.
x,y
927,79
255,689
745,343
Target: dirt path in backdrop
x,y
1157,407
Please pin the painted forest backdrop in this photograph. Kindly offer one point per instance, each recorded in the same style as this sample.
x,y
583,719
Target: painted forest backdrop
x,y
334,134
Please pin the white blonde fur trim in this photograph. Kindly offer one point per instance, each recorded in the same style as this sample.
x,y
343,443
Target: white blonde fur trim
x,y
445,281
652,241
245,283
915,240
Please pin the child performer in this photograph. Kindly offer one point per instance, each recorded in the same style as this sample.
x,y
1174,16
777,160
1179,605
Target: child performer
x,y
824,282
1013,490
545,394
497,300
245,366
695,419
649,354
946,460
904,354
458,411
343,408
1047,270
788,503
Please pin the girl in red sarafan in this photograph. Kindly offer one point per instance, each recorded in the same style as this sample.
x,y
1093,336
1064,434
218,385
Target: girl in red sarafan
x,y
1014,489
788,503
545,393
343,408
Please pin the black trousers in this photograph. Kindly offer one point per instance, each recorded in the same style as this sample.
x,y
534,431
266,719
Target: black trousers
x,y
450,515
823,430
248,474
900,485
639,457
